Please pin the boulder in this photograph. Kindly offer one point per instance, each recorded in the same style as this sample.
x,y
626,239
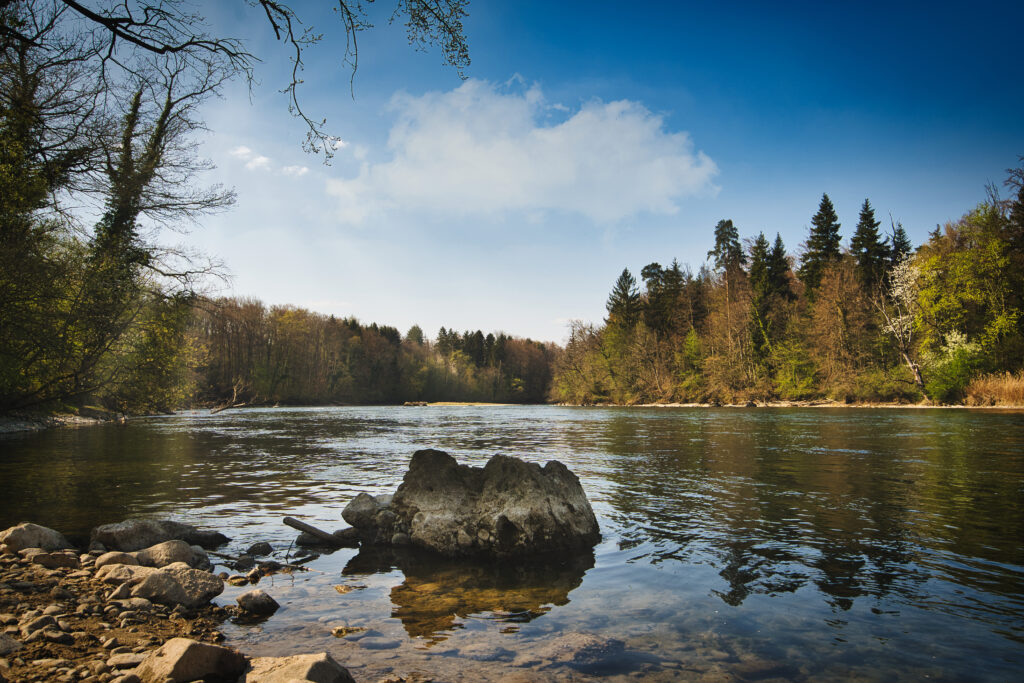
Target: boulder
x,y
182,659
506,508
257,602
169,552
28,535
318,668
122,573
179,584
136,534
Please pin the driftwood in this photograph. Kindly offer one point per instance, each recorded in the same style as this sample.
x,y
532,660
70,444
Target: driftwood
x,y
325,536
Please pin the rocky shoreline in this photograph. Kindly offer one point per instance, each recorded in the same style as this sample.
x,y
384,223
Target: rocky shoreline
x,y
119,616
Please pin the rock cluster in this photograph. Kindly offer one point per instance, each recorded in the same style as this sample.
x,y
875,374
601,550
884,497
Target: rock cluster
x,y
506,508
138,616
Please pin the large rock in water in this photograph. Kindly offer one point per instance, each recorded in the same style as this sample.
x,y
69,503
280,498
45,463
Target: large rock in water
x,y
508,507
137,534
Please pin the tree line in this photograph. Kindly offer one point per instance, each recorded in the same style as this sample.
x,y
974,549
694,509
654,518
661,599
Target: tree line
x,y
875,321
244,351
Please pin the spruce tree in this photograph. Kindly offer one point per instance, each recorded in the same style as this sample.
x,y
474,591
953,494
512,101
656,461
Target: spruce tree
x,y
624,301
778,270
901,245
822,245
870,251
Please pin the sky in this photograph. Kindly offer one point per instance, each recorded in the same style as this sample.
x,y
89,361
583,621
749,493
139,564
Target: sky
x,y
588,137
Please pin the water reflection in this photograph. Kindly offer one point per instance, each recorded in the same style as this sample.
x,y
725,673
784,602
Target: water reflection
x,y
437,593
819,537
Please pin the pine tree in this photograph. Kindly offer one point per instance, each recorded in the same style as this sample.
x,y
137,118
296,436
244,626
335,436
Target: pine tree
x,y
870,251
728,253
822,245
624,302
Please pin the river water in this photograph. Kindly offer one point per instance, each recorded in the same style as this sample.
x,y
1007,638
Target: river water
x,y
750,544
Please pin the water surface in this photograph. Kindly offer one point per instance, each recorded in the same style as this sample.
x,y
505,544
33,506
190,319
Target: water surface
x,y
803,544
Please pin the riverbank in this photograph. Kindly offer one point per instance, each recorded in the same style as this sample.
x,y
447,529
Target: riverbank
x,y
59,624
12,424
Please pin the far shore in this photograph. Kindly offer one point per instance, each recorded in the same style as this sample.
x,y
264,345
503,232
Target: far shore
x,y
10,424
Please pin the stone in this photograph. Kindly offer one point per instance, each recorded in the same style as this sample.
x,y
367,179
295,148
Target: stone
x,y
37,624
361,511
201,586
55,560
8,645
183,659
121,573
28,535
115,557
507,508
317,668
137,534
169,552
260,549
257,602
125,660
238,580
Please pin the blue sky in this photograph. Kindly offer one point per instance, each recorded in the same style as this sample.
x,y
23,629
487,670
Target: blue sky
x,y
589,137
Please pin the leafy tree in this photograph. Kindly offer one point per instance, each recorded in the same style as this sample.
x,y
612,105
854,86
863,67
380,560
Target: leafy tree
x,y
623,303
870,251
822,245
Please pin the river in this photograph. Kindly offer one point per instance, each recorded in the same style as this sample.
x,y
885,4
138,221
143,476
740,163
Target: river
x,y
799,544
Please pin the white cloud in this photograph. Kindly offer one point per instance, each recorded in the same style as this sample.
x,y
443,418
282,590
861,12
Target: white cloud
x,y
258,162
476,150
242,152
297,171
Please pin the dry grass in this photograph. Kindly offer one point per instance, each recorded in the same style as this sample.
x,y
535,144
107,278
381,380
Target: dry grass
x,y
1005,389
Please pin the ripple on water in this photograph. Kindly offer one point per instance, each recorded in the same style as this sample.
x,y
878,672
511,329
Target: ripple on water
x,y
772,543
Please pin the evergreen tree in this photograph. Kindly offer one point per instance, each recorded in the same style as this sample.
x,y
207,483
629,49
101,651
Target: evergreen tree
x,y
624,302
778,270
870,251
727,253
900,245
822,245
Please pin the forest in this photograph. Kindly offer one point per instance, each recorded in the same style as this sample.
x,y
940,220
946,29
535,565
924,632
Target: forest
x,y
876,321
98,309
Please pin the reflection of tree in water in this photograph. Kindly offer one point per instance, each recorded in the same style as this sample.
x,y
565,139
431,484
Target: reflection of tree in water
x,y
777,502
437,590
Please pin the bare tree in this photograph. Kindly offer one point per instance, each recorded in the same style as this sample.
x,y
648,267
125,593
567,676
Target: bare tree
x,y
121,32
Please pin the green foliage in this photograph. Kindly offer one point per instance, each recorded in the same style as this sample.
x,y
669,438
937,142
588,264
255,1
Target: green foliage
x,y
869,250
624,301
727,253
951,369
822,245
